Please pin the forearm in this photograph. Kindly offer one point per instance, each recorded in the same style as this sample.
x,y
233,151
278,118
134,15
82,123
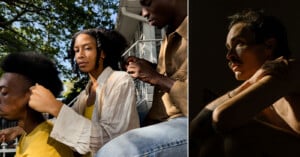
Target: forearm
x,y
203,119
176,90
10,134
209,108
249,102
55,109
164,83
239,89
178,95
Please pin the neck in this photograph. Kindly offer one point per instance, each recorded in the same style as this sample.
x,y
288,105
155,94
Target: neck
x,y
181,13
31,121
96,73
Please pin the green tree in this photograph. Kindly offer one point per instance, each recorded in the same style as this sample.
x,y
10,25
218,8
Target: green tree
x,y
46,26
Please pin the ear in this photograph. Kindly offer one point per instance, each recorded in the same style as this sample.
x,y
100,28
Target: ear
x,y
271,45
102,54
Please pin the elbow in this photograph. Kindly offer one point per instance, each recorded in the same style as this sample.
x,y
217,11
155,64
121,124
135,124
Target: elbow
x,y
221,121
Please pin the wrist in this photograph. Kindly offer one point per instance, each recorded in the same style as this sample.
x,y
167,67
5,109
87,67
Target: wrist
x,y
54,111
19,130
165,83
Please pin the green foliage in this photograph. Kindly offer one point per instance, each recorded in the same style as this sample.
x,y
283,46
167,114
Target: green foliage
x,y
77,87
46,26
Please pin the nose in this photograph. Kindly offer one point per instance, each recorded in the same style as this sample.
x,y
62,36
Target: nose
x,y
145,13
230,53
79,54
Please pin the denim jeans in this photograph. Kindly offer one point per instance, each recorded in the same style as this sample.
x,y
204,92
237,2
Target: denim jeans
x,y
166,139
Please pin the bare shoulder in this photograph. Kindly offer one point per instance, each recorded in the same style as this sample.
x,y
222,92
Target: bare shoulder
x,y
288,108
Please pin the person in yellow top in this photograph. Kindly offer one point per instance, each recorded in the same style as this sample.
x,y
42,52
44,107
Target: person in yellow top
x,y
20,72
106,107
38,143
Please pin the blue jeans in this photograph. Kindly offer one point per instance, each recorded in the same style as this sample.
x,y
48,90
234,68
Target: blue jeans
x,y
166,139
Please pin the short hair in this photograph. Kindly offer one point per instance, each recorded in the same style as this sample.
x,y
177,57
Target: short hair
x,y
111,42
265,27
37,68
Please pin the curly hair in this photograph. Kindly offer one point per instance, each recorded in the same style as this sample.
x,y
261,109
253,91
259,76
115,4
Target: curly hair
x,y
37,68
110,41
265,27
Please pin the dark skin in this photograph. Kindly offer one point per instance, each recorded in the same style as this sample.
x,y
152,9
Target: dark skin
x,y
160,13
85,53
14,105
143,70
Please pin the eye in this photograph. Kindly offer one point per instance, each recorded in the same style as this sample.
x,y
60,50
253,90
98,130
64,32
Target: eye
x,y
240,43
76,50
3,91
87,48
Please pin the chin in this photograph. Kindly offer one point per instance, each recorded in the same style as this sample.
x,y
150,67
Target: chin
x,y
240,77
84,70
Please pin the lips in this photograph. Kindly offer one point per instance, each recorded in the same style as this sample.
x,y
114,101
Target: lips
x,y
82,64
234,65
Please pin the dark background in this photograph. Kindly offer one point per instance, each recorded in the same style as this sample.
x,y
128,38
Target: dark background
x,y
209,75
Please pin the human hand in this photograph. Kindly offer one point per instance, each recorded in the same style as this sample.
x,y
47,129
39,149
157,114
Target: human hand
x,y
10,134
287,71
277,68
42,100
142,69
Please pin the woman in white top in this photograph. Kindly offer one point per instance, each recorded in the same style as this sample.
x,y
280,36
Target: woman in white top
x,y
107,106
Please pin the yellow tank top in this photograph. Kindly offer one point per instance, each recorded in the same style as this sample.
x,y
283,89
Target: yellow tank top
x,y
88,112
